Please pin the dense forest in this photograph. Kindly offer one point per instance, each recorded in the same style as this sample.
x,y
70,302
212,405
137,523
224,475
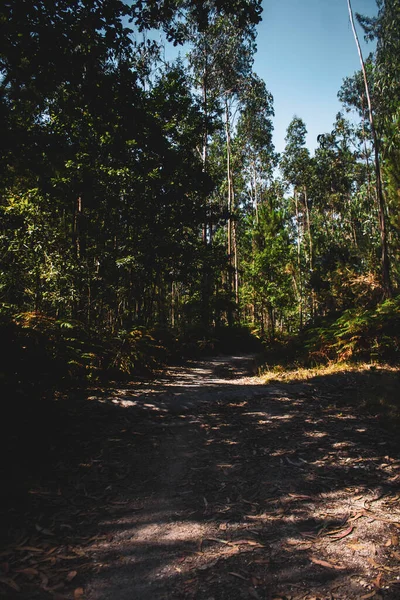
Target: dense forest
x,y
199,335
143,202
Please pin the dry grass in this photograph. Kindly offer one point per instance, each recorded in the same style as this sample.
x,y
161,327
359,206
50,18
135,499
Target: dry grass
x,y
374,387
298,373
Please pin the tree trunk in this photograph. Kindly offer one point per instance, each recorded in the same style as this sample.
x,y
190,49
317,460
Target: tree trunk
x,y
205,139
255,191
230,241
311,250
300,286
365,148
77,241
385,262
228,173
236,263
310,241
207,223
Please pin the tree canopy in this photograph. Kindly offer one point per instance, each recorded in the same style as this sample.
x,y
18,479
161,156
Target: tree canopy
x,y
136,193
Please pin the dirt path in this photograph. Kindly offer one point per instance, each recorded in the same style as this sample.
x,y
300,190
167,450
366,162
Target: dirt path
x,y
206,484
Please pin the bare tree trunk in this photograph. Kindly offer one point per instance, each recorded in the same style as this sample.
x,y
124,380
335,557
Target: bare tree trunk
x,y
365,148
230,190
311,251
255,191
206,284
310,242
235,260
77,227
300,286
236,264
172,305
232,238
385,262
205,139
228,172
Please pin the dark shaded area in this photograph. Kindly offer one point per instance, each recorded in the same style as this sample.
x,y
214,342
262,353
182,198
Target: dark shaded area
x,y
140,485
47,367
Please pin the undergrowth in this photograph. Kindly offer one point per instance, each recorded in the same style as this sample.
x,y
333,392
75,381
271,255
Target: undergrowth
x,y
360,346
42,353
357,335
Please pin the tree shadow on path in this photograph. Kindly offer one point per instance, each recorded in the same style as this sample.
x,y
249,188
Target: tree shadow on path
x,y
207,484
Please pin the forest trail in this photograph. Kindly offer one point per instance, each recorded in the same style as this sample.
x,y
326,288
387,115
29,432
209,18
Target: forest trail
x,y
207,484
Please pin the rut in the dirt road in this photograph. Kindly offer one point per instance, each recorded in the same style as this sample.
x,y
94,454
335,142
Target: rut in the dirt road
x,y
206,483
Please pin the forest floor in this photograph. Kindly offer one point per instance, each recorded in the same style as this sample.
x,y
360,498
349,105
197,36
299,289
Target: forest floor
x,y
206,483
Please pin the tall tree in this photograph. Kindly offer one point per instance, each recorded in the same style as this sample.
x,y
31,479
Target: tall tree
x,y
254,135
221,57
385,262
296,168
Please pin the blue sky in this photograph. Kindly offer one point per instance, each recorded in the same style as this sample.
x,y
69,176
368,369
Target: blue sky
x,y
305,49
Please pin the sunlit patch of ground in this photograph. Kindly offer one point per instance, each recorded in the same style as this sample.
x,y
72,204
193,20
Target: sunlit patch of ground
x,y
293,374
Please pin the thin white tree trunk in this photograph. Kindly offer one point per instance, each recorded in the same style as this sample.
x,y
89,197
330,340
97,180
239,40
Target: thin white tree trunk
x,y
385,262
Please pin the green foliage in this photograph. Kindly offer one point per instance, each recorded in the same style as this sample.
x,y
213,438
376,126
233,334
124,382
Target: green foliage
x,y
267,277
42,353
139,351
359,334
295,162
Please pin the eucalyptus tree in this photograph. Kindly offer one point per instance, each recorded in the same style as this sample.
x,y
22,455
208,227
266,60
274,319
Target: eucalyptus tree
x,y
385,261
342,216
384,28
177,17
253,161
254,135
296,167
221,37
269,286
221,58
